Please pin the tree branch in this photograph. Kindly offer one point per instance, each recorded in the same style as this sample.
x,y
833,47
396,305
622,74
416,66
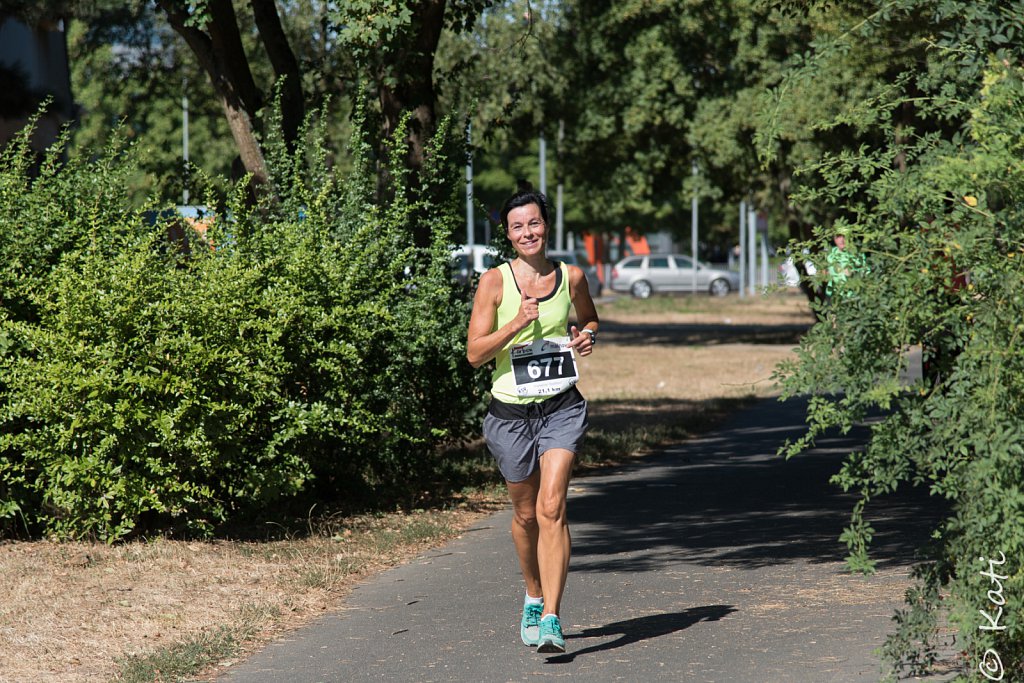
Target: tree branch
x,y
227,41
282,58
211,50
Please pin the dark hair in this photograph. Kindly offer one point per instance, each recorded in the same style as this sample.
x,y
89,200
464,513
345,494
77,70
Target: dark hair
x,y
524,198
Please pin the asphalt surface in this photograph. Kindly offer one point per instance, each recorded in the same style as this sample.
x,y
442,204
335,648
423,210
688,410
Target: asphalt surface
x,y
715,561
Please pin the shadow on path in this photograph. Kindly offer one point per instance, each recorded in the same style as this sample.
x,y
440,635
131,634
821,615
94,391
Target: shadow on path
x,y
641,334
729,500
642,628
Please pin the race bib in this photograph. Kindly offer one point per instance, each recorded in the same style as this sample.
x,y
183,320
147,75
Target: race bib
x,y
543,367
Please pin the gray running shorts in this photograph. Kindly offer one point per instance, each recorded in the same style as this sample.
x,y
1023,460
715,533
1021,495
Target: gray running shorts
x,y
517,444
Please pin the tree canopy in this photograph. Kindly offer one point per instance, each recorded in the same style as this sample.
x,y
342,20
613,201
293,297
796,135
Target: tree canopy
x,y
247,59
930,197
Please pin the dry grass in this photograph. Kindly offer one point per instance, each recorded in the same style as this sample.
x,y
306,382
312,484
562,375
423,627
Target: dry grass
x,y
692,373
679,364
73,610
87,612
719,351
785,307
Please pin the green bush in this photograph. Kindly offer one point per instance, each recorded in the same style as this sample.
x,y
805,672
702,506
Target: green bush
x,y
944,240
54,206
158,385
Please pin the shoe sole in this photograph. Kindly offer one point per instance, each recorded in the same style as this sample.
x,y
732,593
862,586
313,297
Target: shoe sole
x,y
550,646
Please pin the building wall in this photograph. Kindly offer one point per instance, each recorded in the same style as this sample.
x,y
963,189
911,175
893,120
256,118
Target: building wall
x,y
33,67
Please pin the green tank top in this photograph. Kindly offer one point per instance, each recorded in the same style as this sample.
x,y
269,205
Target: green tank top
x,y
552,324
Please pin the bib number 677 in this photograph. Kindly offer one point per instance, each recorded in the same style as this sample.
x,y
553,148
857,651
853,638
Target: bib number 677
x,y
536,371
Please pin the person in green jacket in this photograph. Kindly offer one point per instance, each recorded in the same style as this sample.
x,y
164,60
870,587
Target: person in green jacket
x,y
842,264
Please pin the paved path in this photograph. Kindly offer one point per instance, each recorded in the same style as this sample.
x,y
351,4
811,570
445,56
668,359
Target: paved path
x,y
713,561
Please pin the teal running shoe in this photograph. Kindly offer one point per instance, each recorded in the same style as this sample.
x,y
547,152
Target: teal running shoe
x,y
551,638
529,627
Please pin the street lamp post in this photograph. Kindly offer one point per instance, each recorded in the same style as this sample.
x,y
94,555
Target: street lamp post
x,y
559,215
470,228
184,139
693,228
743,248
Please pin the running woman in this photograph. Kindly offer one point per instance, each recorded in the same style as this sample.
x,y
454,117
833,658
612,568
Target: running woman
x,y
537,417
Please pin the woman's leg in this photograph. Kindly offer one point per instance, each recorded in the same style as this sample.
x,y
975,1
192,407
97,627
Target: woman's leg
x,y
525,531
554,543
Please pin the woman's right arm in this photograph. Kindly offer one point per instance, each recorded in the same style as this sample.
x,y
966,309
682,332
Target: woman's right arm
x,y
483,344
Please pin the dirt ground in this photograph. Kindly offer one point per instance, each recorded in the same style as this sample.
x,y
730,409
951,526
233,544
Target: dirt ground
x,y
76,612
694,348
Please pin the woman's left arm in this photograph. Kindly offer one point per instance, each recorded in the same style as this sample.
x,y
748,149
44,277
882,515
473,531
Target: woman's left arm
x,y
586,312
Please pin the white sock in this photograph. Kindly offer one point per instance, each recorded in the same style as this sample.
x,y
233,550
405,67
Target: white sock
x,y
549,616
533,601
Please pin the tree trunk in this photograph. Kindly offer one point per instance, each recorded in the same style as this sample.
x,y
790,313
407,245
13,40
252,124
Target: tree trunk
x,y
286,66
244,134
904,129
413,91
221,55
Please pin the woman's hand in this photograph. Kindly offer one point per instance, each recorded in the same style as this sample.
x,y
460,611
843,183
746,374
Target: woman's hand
x,y
529,310
583,343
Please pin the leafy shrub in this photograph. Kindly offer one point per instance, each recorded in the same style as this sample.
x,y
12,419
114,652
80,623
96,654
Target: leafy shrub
x,y
944,238
61,207
155,385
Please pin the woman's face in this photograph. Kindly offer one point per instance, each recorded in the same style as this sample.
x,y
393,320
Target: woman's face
x,y
526,230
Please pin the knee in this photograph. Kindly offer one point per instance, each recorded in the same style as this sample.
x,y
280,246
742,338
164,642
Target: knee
x,y
550,510
526,519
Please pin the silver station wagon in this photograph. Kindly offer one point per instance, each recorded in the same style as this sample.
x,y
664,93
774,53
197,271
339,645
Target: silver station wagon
x,y
642,276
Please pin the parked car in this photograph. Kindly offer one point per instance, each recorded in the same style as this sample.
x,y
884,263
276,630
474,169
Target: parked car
x,y
642,276
468,263
579,258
